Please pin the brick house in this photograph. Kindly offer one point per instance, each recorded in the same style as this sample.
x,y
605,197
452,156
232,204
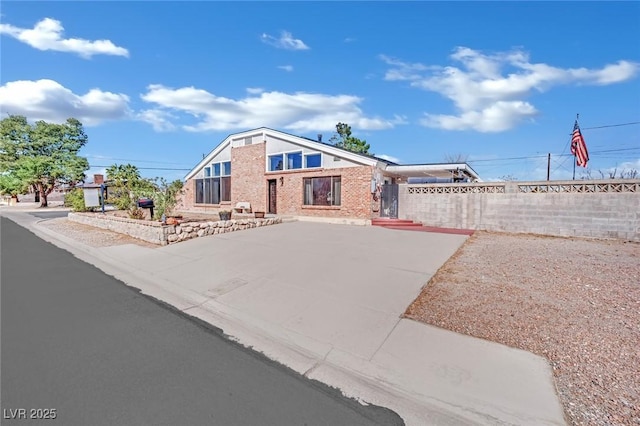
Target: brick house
x,y
279,173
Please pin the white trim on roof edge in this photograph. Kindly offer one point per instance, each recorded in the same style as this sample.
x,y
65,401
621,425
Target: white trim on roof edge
x,y
308,143
415,169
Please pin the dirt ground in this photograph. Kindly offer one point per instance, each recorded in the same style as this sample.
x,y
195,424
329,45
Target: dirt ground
x,y
573,301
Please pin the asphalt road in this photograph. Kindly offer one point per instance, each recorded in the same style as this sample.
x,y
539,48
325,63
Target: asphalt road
x,y
80,346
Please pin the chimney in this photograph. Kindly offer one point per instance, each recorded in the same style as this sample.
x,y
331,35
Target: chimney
x,y
319,137
98,179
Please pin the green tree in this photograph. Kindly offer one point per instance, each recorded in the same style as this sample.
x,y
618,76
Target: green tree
x,y
41,155
343,139
164,195
11,185
126,186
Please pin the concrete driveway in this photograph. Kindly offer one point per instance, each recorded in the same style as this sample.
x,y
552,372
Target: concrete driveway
x,y
344,286
326,300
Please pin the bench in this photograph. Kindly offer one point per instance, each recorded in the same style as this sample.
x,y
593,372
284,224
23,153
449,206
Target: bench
x,y
242,207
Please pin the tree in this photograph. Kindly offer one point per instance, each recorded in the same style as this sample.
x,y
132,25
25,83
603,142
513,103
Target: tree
x,y
456,158
165,196
343,139
41,155
126,186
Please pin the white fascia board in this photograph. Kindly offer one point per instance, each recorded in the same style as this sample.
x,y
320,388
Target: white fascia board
x,y
206,160
327,149
356,158
427,168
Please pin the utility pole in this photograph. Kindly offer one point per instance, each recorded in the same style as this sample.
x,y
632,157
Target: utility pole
x,y
548,165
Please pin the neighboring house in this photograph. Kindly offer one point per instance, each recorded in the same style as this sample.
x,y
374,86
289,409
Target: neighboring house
x,y
283,174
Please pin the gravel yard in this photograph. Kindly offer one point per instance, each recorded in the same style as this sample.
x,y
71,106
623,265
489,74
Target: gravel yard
x,y
573,301
88,235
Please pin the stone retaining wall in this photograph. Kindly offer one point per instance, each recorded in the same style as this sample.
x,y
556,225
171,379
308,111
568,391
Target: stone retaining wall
x,y
156,233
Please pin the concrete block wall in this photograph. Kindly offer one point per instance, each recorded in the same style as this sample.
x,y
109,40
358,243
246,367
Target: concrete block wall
x,y
592,214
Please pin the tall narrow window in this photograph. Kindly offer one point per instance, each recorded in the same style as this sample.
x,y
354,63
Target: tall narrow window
x,y
199,191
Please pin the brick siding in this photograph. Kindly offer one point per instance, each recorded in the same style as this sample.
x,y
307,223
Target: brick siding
x,y
249,183
247,176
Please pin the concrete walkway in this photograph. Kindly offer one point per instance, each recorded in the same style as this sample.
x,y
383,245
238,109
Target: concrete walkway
x,y
327,301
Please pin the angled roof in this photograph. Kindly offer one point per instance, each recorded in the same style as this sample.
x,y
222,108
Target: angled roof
x,y
406,170
363,159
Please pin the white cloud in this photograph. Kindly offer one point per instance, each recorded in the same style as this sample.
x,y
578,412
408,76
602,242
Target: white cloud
x,y
160,120
255,90
489,90
50,101
498,117
287,68
48,33
285,41
388,158
297,111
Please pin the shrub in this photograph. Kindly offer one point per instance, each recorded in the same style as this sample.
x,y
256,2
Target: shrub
x,y
75,200
136,213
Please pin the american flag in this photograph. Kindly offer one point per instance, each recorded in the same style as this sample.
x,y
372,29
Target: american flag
x,y
579,147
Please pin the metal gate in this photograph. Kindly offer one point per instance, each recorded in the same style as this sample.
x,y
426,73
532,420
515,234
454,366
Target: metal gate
x,y
389,201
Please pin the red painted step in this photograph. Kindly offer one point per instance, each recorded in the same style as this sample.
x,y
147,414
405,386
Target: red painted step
x,y
409,225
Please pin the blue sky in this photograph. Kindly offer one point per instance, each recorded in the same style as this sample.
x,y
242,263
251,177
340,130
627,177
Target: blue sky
x,y
159,84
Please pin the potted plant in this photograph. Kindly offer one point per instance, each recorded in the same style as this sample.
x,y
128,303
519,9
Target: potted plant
x,y
224,214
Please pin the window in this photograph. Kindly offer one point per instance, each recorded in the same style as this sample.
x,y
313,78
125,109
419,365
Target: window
x,y
213,190
275,162
199,191
312,160
226,168
294,160
322,191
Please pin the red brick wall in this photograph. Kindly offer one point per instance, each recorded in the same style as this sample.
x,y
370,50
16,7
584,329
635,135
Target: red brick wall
x,y
355,194
247,176
249,182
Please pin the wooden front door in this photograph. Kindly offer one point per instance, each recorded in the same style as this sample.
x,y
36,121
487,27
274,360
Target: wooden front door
x,y
272,196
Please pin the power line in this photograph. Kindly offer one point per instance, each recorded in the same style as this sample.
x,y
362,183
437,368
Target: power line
x,y
98,157
152,168
529,157
610,125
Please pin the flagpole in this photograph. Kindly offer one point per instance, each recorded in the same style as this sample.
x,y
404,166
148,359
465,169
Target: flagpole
x,y
575,155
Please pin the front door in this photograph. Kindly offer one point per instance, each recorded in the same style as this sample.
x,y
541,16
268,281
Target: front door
x,y
272,196
389,201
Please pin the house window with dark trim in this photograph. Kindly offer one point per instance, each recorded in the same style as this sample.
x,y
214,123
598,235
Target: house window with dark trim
x,y
322,191
213,190
199,191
